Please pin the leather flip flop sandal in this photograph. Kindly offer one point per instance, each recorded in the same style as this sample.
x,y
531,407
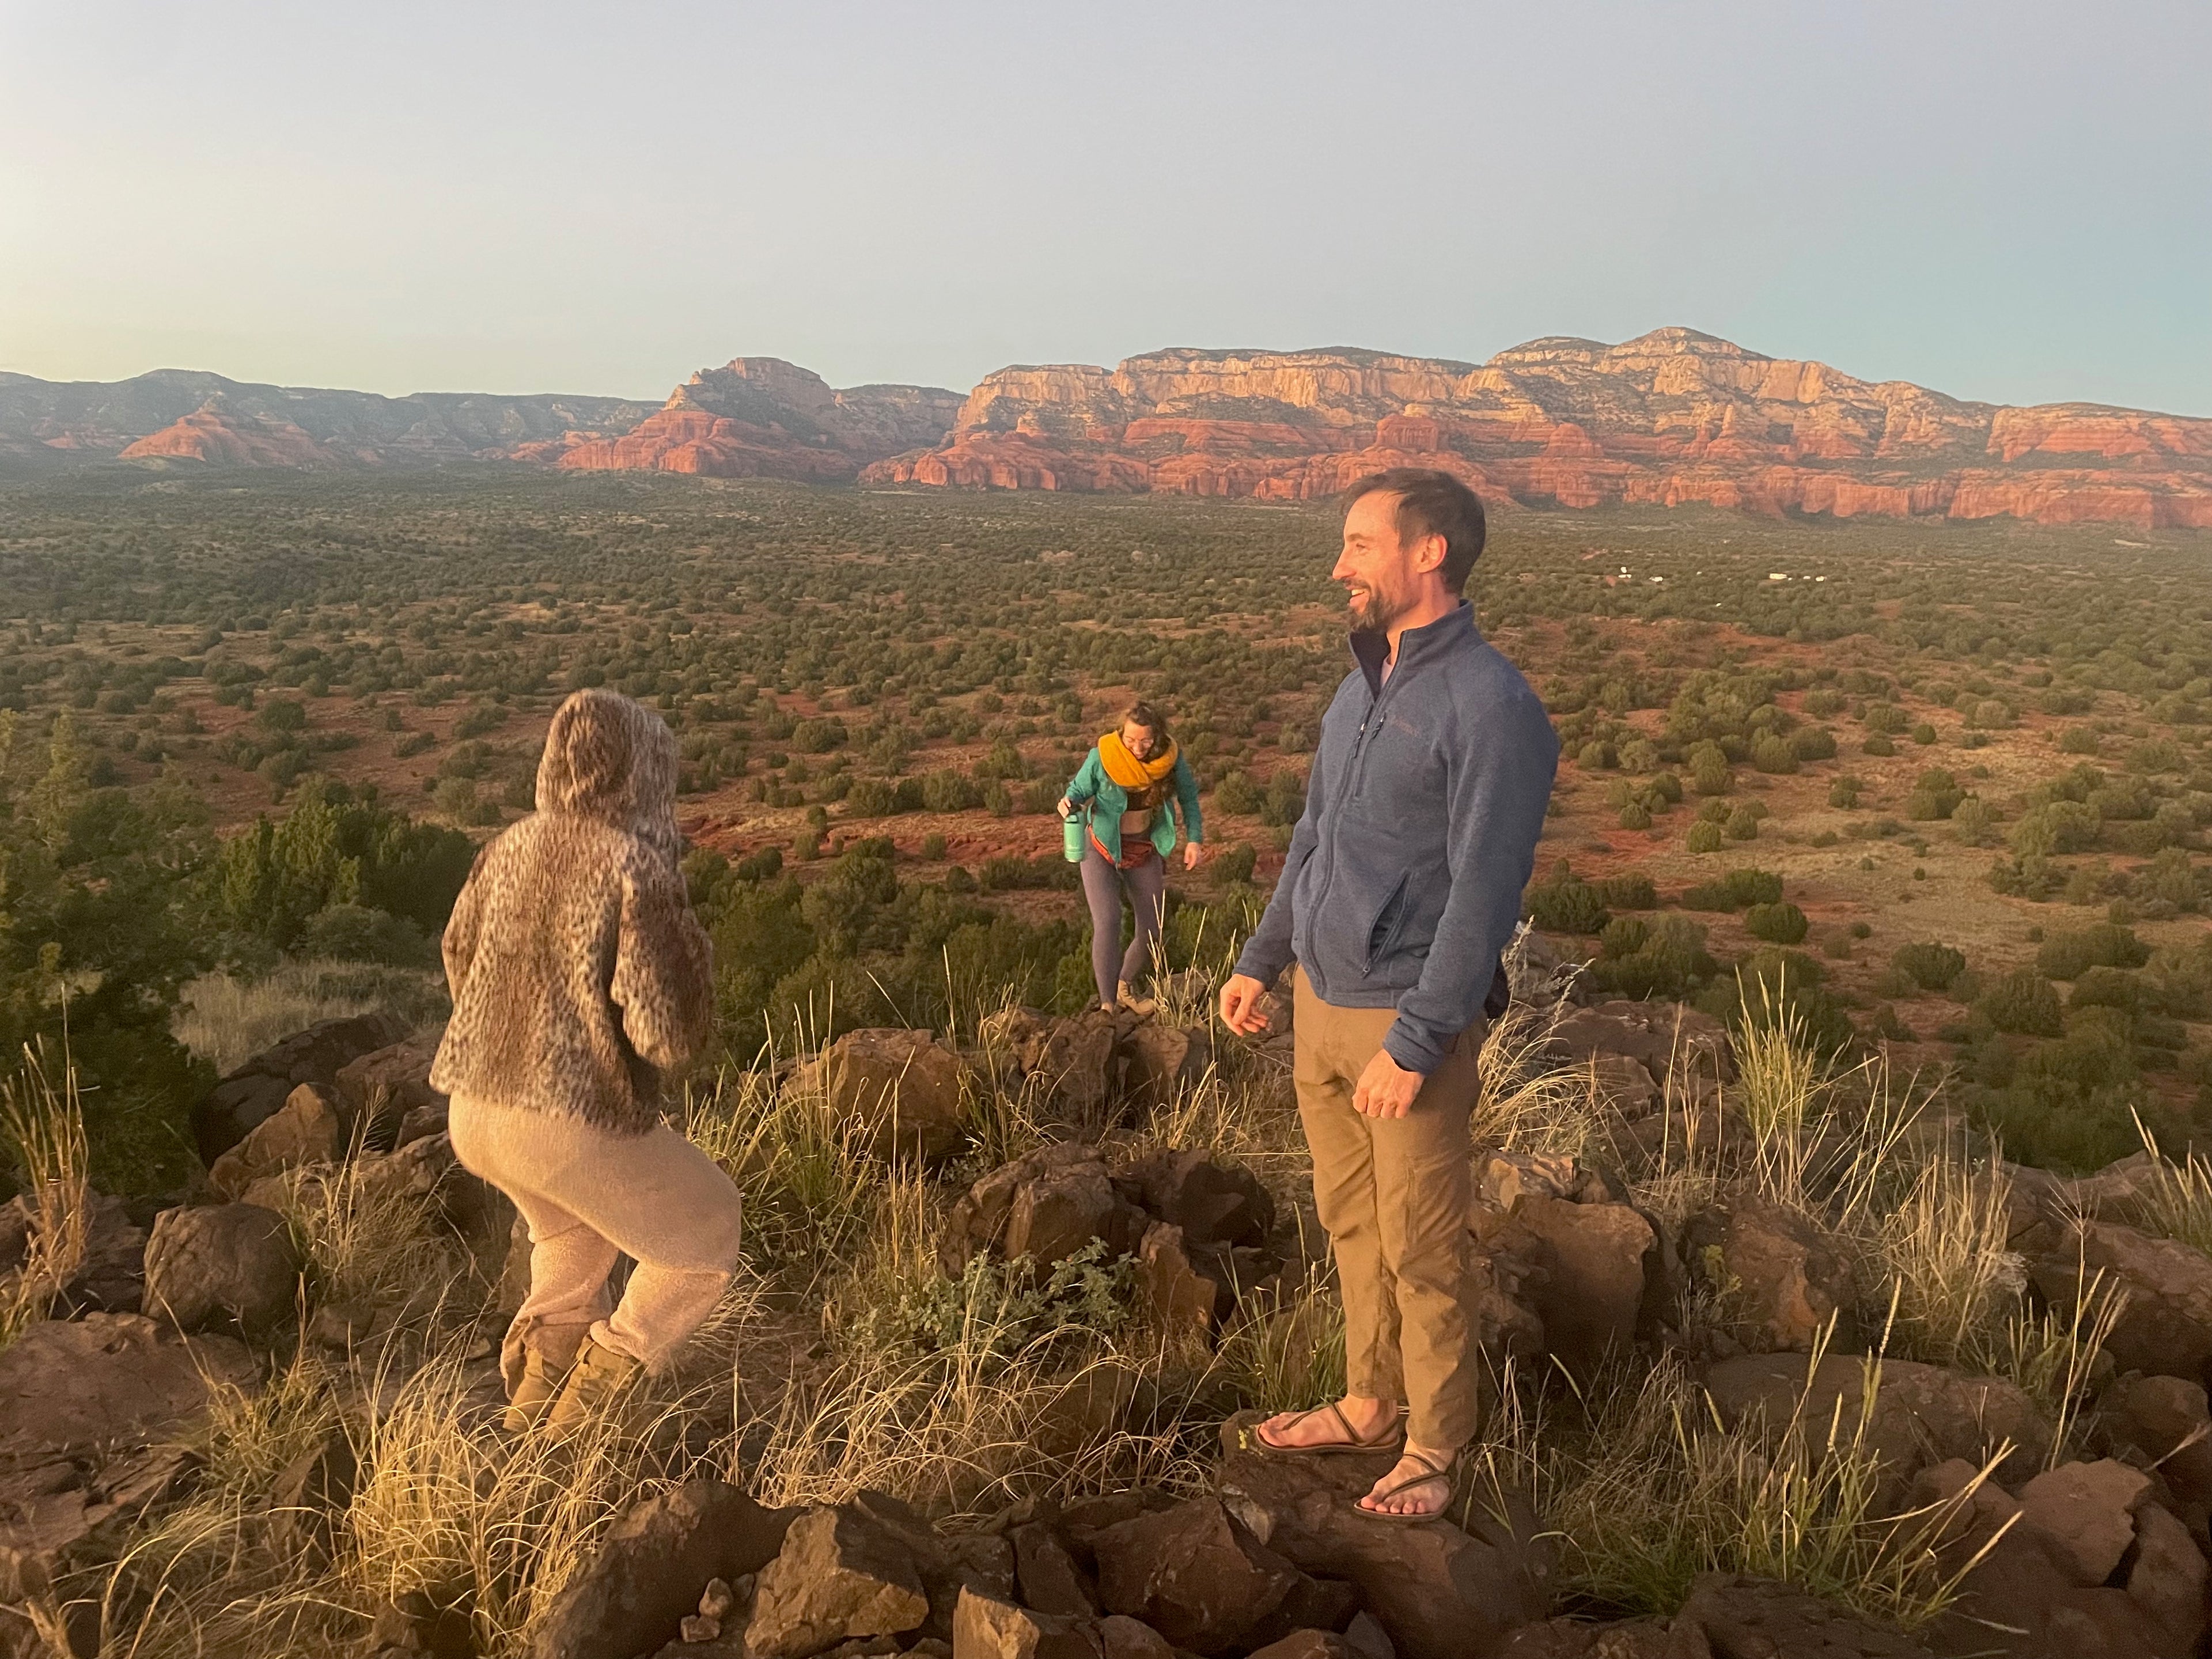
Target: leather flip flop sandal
x,y
1390,1440
1435,1472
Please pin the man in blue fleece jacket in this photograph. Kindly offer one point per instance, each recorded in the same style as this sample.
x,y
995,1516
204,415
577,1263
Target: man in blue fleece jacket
x,y
1402,889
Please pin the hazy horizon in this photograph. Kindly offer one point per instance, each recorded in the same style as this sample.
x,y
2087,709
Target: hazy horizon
x,y
2007,204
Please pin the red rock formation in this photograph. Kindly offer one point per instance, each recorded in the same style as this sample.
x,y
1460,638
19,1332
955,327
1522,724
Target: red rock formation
x,y
761,417
210,432
1672,418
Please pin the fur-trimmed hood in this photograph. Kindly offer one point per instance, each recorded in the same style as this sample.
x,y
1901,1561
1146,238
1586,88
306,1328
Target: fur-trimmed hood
x,y
614,760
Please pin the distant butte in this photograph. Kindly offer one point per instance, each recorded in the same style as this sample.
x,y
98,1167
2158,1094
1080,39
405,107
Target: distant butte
x,y
1671,418
763,417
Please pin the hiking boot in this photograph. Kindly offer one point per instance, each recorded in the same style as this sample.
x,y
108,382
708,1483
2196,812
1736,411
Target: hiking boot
x,y
540,1385
597,1382
1141,1006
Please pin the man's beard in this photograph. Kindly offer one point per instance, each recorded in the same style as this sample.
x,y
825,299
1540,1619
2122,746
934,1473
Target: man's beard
x,y
1373,614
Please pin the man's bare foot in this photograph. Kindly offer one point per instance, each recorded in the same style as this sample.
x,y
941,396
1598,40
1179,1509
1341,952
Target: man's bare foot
x,y
1423,1481
1368,1421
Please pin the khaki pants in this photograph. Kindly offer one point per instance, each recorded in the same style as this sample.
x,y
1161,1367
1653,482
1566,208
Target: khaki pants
x,y
1395,1193
589,1197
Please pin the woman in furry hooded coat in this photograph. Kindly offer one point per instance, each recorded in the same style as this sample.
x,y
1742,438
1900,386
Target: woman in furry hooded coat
x,y
579,977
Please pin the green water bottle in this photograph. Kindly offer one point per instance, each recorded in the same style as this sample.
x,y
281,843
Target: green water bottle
x,y
1071,836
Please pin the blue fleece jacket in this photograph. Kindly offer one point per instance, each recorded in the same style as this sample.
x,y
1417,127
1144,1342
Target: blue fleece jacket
x,y
1403,883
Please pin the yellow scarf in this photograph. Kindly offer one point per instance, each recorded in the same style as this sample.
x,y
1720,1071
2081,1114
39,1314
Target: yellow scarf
x,y
1127,770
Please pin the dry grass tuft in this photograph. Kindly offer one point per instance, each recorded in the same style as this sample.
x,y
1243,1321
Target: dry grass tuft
x,y
1657,1490
45,1127
227,1018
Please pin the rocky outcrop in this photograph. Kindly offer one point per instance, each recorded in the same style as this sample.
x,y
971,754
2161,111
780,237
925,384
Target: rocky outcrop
x,y
2080,1560
94,1417
1673,417
216,434
1442,1590
258,1089
1091,1065
1921,1415
1197,1225
761,417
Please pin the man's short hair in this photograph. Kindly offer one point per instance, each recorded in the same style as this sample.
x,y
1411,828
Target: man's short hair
x,y
1432,503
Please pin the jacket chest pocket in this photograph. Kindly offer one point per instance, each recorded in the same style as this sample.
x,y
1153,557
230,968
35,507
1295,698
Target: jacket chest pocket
x,y
1399,771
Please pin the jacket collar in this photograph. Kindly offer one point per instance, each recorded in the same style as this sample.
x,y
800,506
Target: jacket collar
x,y
1415,646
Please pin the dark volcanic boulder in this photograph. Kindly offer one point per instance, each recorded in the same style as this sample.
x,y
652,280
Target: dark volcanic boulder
x,y
1194,1573
839,1575
232,1265
654,1565
1441,1589
227,1113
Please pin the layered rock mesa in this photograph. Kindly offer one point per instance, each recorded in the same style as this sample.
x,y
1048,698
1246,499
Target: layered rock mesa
x,y
763,417
1672,417
183,414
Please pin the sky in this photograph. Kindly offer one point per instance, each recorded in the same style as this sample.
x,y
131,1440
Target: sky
x,y
2010,201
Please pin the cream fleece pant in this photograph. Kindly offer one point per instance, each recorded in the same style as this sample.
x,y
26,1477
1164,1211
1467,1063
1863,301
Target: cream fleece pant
x,y
589,1197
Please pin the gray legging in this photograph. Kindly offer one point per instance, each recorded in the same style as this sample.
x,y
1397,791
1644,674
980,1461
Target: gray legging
x,y
1101,886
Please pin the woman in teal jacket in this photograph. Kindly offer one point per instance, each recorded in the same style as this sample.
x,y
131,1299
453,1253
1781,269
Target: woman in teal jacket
x,y
1134,791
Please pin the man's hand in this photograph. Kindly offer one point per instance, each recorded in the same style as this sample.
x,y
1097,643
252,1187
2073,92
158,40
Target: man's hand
x,y
1240,1005
1385,1089
1066,808
1194,854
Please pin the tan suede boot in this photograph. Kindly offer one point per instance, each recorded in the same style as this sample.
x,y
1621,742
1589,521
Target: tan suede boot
x,y
596,1383
540,1384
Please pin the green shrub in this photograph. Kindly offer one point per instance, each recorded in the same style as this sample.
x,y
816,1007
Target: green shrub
x,y
1772,754
1636,815
1237,794
1843,792
1878,745
1778,924
2023,1002
282,715
1633,891
1736,891
1710,773
2058,826
1663,957
1567,905
871,798
1235,863
2109,987
1813,743
1936,794
1705,837
1772,986
2102,945
947,790
1930,966
354,932
819,737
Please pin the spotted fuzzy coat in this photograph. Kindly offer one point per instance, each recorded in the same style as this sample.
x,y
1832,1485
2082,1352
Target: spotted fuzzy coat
x,y
579,973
